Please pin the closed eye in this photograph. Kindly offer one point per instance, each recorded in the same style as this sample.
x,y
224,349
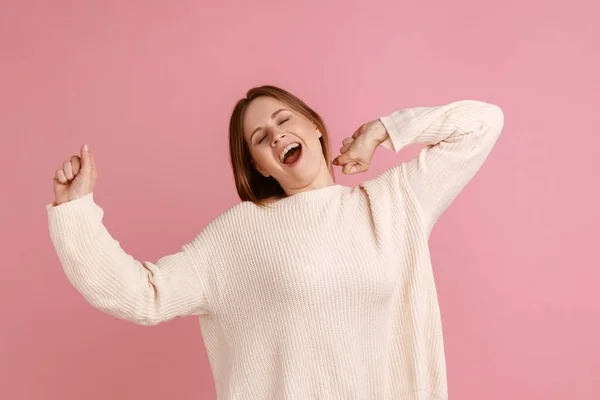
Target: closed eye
x,y
280,123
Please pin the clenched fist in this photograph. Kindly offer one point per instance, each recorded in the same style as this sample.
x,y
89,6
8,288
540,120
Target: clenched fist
x,y
76,177
358,150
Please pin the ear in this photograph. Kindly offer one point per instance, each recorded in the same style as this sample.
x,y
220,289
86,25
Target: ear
x,y
256,167
319,134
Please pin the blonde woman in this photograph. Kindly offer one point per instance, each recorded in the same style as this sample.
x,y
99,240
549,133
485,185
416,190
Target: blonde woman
x,y
306,289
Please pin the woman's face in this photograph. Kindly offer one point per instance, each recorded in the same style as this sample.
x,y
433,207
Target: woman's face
x,y
284,144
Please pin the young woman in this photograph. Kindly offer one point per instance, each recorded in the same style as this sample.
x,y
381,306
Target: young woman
x,y
307,289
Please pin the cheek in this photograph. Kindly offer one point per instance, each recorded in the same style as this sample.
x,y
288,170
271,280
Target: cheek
x,y
308,134
314,142
263,157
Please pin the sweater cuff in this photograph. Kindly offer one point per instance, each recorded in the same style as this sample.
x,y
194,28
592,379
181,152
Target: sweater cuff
x,y
85,204
399,126
75,220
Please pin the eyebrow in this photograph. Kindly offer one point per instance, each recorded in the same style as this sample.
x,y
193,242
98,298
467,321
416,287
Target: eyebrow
x,y
272,116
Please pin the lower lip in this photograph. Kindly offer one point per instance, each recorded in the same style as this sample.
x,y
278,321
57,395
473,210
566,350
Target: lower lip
x,y
297,161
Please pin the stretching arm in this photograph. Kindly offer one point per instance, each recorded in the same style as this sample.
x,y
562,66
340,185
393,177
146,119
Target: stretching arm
x,y
459,137
113,281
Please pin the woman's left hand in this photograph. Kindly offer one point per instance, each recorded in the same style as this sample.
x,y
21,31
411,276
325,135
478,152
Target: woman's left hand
x,y
357,151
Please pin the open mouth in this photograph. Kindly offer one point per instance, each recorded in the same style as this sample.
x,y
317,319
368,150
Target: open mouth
x,y
291,154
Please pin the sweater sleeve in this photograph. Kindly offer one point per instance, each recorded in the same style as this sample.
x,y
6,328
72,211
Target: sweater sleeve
x,y
459,135
113,281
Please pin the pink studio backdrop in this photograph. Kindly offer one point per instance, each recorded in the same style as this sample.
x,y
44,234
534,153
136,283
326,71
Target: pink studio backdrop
x,y
150,86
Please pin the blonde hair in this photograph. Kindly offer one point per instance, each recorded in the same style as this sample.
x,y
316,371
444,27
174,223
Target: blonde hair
x,y
251,185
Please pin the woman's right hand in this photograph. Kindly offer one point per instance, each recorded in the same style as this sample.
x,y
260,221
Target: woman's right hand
x,y
75,178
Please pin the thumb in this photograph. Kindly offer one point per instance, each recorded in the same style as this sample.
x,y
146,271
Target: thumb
x,y
87,159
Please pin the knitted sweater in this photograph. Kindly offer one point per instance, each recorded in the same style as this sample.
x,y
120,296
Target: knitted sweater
x,y
328,294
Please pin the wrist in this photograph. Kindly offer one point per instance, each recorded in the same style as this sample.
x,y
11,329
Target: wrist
x,y
378,132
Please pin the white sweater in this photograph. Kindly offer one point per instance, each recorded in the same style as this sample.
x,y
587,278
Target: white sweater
x,y
327,295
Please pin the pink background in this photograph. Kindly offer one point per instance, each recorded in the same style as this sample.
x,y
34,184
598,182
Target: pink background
x,y
150,86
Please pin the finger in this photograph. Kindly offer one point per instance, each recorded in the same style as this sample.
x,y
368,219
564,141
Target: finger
x,y
358,132
87,160
342,159
348,140
60,176
354,168
75,164
349,168
68,170
345,148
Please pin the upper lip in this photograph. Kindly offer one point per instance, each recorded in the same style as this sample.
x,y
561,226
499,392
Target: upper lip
x,y
283,146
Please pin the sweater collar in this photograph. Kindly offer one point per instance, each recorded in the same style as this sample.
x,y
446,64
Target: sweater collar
x,y
313,195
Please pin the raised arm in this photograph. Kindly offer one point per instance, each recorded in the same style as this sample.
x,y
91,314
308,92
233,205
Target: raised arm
x,y
108,278
113,281
460,136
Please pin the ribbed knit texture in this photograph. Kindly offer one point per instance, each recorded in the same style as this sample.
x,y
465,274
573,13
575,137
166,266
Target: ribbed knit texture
x,y
329,294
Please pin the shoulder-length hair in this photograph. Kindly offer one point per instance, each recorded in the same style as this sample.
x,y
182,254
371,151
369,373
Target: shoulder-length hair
x,y
251,185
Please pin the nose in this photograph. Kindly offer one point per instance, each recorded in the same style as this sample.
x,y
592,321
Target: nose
x,y
277,137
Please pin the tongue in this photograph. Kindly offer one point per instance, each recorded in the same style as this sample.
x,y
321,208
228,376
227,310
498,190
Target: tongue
x,y
292,156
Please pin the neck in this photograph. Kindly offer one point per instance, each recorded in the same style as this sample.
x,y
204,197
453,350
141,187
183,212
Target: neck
x,y
323,179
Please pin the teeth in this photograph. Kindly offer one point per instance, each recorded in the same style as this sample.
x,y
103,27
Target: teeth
x,y
287,148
